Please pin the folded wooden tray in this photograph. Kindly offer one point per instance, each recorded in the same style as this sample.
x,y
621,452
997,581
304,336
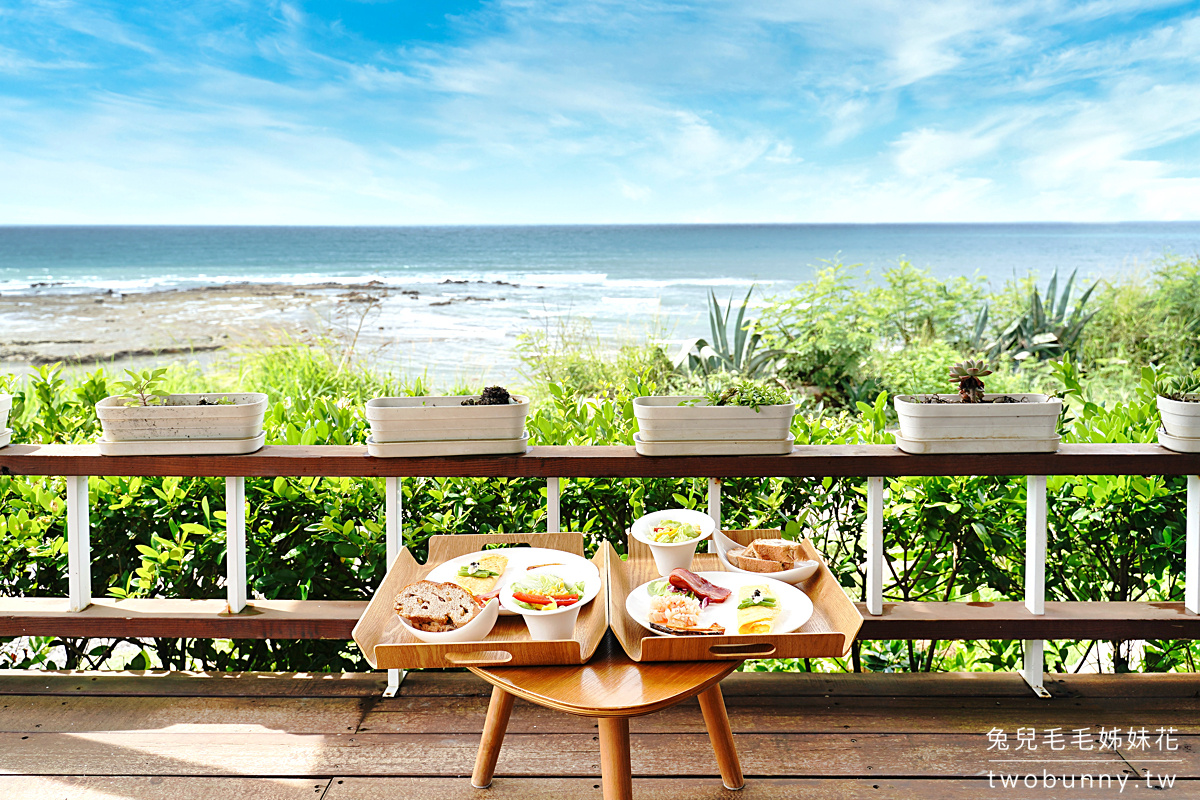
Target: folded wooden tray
x,y
388,646
828,633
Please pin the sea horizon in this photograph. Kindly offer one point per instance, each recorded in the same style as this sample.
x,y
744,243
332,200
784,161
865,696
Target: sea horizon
x,y
458,297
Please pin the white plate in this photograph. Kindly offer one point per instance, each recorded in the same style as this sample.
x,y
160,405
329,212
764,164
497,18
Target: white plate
x,y
939,446
1178,443
520,558
797,575
182,447
476,447
716,447
5,437
794,605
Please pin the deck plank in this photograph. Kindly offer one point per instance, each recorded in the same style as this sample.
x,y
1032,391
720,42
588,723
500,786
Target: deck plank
x,y
294,755
804,715
70,787
194,684
699,789
52,714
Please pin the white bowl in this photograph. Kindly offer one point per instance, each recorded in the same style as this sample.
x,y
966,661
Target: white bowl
x,y
792,576
473,631
679,554
548,626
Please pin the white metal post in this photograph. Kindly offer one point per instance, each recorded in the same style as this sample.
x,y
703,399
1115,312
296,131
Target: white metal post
x,y
875,546
714,508
393,505
235,543
1035,577
553,505
1191,592
79,544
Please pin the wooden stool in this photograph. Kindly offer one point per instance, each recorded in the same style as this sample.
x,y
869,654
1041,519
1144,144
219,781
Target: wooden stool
x,y
611,688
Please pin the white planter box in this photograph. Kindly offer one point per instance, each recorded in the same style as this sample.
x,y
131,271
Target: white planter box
x,y
663,419
179,418
1180,419
432,419
1028,426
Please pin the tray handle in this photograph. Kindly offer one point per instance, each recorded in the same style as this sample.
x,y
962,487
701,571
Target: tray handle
x,y
479,658
752,650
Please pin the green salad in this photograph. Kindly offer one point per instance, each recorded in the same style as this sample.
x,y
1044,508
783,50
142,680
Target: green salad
x,y
545,592
671,532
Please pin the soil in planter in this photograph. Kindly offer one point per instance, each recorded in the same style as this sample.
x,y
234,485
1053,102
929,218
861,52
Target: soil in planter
x,y
492,396
1003,399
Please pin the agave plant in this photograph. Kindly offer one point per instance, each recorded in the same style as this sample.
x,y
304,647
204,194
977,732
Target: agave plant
x,y
968,375
729,349
1046,330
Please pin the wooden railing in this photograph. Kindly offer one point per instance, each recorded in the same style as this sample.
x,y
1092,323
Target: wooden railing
x,y
1034,620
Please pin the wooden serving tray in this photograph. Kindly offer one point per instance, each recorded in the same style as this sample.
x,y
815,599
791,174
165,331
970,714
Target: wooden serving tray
x,y
829,633
388,646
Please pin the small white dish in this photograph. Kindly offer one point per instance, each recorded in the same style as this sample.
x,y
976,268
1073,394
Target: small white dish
x,y
546,626
793,576
679,554
182,447
473,631
1179,444
795,608
451,447
952,446
715,447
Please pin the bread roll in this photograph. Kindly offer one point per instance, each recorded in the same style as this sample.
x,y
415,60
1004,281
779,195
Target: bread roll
x,y
436,607
780,550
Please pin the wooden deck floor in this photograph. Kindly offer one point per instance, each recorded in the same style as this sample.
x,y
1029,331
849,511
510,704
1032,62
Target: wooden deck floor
x,y
271,737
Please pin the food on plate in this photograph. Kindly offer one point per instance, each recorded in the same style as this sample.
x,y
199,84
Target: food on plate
x,y
545,592
768,555
669,531
539,566
678,612
436,607
674,610
711,630
480,576
689,581
757,609
744,559
779,550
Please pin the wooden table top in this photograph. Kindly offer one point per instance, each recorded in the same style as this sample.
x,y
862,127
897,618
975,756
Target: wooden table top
x,y
611,684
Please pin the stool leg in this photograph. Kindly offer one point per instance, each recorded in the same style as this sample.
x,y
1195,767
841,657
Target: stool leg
x,y
615,775
712,705
493,736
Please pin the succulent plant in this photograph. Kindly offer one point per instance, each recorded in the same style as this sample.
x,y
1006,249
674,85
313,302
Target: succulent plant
x,y
968,374
1185,388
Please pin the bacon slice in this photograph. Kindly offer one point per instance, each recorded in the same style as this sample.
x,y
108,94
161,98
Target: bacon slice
x,y
482,599
690,581
711,630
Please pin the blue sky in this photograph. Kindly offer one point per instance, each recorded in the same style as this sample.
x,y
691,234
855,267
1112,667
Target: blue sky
x,y
597,112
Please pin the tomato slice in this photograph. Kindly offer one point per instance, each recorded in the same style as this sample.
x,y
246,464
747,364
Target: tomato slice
x,y
566,599
532,599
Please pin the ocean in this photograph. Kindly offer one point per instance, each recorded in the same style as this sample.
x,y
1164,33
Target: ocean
x,y
477,288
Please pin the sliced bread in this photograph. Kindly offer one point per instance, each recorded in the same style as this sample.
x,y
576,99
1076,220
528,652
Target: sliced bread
x,y
780,550
745,559
436,607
